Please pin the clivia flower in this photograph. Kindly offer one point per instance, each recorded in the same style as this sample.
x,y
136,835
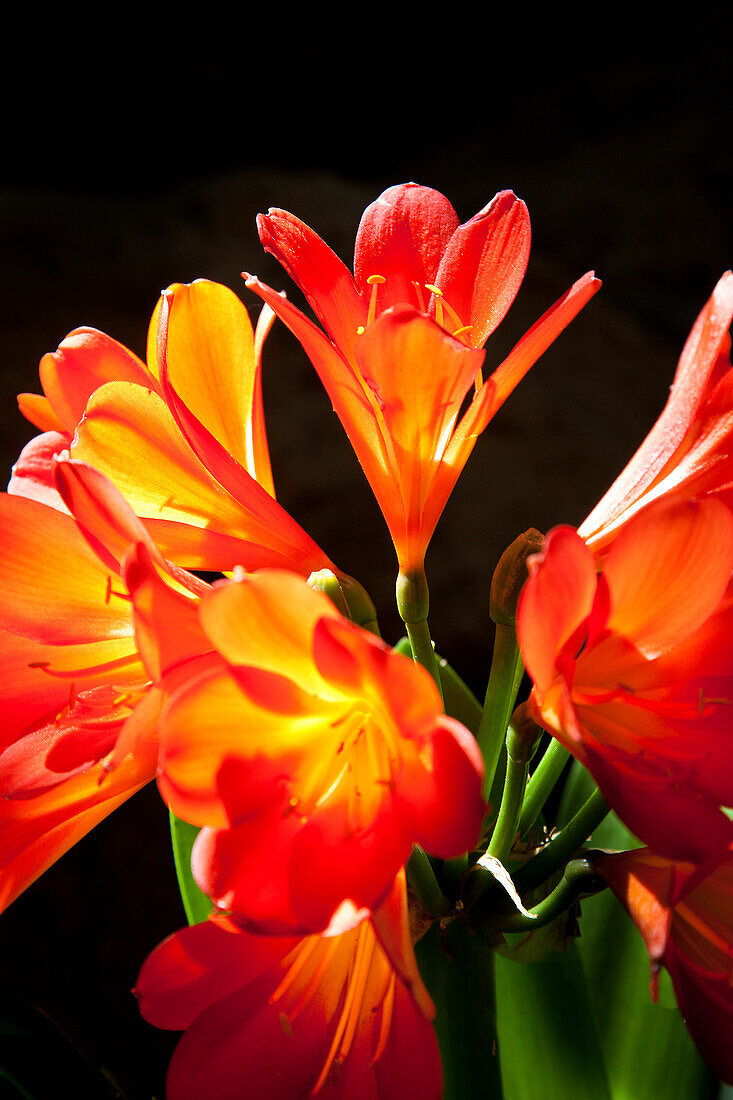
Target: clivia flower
x,y
404,334
689,451
314,756
685,916
82,686
342,1016
182,438
633,668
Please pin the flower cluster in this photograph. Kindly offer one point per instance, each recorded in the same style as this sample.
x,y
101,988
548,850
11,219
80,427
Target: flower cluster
x,y
625,627
316,761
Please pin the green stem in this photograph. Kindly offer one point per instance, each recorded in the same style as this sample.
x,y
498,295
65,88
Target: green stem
x,y
510,809
578,880
562,846
504,680
424,884
413,601
422,649
541,783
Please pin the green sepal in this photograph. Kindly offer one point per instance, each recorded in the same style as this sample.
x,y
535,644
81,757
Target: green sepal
x,y
457,969
195,903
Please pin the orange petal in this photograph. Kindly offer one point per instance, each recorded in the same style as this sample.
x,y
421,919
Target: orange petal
x,y
55,589
85,360
210,363
37,408
129,435
555,601
267,619
35,832
668,571
695,371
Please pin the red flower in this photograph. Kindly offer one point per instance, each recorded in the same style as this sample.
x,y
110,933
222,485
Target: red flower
x,y
182,438
685,915
342,1015
315,756
78,705
688,451
633,668
403,338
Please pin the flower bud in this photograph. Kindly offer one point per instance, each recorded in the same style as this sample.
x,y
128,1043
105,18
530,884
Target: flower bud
x,y
510,575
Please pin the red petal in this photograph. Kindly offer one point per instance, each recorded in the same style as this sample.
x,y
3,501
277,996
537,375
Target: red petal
x,y
316,269
484,264
402,236
555,601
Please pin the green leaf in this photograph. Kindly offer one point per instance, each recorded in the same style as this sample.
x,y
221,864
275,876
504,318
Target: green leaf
x,y
195,903
647,1051
549,1046
458,972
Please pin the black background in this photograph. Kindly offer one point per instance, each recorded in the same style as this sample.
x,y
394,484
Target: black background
x,y
138,153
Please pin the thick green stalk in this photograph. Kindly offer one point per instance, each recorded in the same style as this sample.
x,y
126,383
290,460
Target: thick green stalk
x,y
511,807
504,680
541,783
578,880
424,884
562,846
413,601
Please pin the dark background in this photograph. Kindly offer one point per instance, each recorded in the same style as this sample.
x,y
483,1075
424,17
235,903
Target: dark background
x,y
134,157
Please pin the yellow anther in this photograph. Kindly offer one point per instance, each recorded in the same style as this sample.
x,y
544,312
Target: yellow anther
x,y
360,330
374,281
438,301
442,305
462,330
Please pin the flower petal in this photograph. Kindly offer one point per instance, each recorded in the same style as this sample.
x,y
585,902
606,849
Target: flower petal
x,y
668,571
55,589
555,601
324,279
484,264
695,371
85,360
33,473
402,236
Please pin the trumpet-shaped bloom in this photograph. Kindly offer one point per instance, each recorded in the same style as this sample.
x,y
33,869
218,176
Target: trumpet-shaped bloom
x,y
688,451
315,757
633,668
182,438
79,675
403,338
685,915
288,1018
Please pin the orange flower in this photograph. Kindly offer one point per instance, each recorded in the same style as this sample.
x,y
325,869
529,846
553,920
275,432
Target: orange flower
x,y
76,687
685,915
315,757
288,1018
182,438
403,338
633,668
688,451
